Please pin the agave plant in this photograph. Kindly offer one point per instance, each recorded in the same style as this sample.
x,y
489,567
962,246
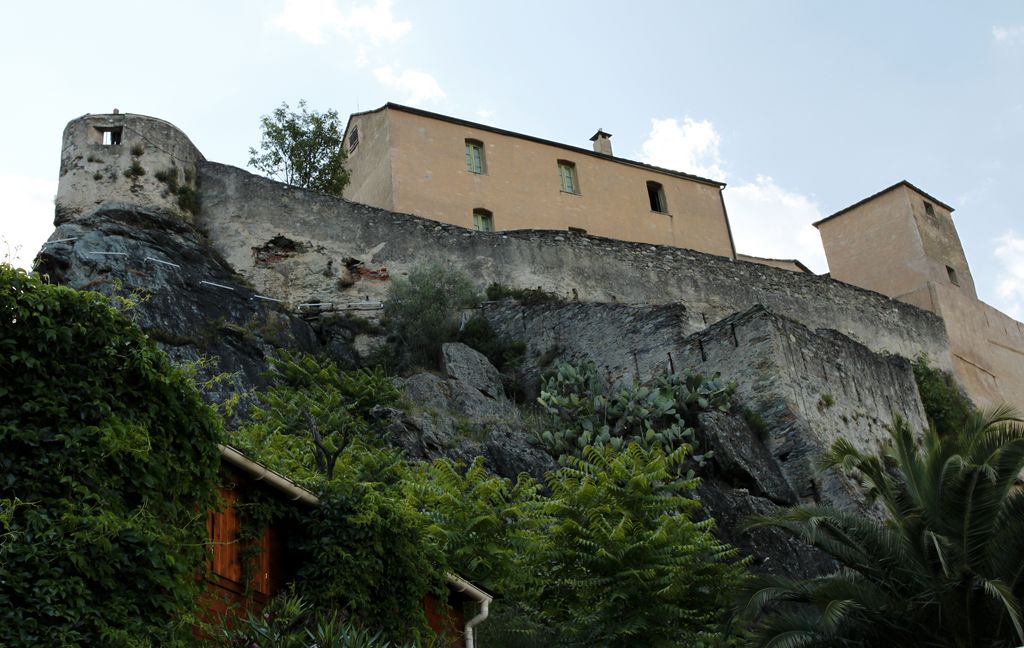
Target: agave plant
x,y
946,566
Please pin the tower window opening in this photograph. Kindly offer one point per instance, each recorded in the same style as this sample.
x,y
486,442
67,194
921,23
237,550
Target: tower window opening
x,y
928,208
953,279
111,136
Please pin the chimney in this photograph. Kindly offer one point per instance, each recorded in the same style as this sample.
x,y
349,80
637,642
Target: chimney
x,y
602,142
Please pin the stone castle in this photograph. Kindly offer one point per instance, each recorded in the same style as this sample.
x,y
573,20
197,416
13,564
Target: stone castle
x,y
900,243
216,248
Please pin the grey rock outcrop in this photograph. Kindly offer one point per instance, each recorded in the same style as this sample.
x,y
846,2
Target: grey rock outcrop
x,y
465,415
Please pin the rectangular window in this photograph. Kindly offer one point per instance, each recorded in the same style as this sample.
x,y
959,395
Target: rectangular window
x,y
475,157
483,220
353,138
111,136
656,195
953,279
567,173
928,209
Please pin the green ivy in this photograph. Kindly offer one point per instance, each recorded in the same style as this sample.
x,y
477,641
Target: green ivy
x,y
109,463
947,407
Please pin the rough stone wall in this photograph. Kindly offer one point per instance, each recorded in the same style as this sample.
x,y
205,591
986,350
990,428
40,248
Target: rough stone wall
x,y
810,387
93,173
242,212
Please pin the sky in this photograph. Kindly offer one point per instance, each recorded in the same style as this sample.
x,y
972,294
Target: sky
x,y
802,107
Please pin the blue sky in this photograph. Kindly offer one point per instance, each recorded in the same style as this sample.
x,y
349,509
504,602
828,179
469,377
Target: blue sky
x,y
801,107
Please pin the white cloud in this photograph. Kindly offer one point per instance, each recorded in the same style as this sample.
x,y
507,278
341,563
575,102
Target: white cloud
x,y
1008,34
417,85
27,218
377,22
485,115
308,19
1009,253
769,221
766,220
691,147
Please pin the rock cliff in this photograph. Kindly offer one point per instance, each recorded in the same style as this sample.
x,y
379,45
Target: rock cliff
x,y
257,265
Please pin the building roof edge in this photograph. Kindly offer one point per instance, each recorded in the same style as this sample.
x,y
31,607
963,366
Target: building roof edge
x,y
501,131
901,183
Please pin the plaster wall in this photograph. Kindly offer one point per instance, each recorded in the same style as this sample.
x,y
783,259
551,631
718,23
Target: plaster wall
x,y
877,245
521,185
92,173
987,347
942,248
369,163
242,211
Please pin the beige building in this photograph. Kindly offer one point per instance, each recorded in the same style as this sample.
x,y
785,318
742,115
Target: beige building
x,y
901,242
454,171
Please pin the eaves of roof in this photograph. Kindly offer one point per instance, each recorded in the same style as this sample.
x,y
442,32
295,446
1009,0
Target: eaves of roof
x,y
901,183
538,140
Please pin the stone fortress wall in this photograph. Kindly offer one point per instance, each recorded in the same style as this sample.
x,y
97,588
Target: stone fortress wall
x,y
273,234
816,358
118,158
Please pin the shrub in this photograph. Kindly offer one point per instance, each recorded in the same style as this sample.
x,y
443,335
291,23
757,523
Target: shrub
x,y
108,454
424,309
945,403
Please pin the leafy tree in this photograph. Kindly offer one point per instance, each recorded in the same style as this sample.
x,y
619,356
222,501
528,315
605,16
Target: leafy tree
x,y
624,562
368,547
109,458
305,149
311,413
425,308
946,568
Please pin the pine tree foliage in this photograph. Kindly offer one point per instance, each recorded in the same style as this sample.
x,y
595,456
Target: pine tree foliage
x,y
945,568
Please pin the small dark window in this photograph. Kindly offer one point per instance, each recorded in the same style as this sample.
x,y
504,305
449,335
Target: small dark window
x,y
353,138
953,279
577,230
111,136
928,209
656,194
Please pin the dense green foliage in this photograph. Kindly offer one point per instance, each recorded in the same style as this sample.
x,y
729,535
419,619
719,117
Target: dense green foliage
x,y
367,547
946,568
311,413
424,309
608,553
305,149
947,406
624,563
583,410
109,459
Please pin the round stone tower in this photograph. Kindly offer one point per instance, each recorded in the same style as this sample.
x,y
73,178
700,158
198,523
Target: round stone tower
x,y
126,158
